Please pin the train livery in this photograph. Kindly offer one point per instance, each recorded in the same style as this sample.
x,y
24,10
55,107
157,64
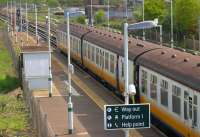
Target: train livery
x,y
166,78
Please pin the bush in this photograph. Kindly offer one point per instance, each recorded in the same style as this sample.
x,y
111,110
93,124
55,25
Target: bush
x,y
81,19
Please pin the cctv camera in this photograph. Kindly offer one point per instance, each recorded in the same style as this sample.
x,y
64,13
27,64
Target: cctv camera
x,y
132,90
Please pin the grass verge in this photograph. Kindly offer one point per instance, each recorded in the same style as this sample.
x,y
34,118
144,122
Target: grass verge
x,y
8,79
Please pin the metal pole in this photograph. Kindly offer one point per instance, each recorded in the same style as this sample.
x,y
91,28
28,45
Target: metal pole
x,y
161,40
108,14
143,19
20,16
126,4
126,93
70,104
11,18
199,31
7,16
91,13
26,24
49,45
36,27
172,31
15,22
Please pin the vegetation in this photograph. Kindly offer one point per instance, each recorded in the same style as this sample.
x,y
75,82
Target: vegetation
x,y
152,9
13,117
186,16
70,3
8,79
13,114
81,19
99,17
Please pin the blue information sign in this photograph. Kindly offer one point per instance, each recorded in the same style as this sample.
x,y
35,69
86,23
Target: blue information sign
x,y
126,116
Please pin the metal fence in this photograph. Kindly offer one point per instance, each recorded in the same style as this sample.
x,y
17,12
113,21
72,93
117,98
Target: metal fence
x,y
38,116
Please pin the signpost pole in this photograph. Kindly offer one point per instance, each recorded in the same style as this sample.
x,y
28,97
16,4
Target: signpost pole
x,y
70,104
126,93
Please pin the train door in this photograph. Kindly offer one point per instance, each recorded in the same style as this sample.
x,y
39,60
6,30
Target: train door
x,y
101,62
190,110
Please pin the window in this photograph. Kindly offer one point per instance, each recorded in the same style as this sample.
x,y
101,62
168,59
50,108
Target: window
x,y
153,87
88,51
195,106
186,101
84,49
144,82
112,66
93,53
176,100
106,61
97,56
102,58
164,93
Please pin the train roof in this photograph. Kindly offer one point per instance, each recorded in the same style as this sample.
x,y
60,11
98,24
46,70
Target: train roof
x,y
179,66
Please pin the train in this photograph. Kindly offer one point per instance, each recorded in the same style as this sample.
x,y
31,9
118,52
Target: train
x,y
166,78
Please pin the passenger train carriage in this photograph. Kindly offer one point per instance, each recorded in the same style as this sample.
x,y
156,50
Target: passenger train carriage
x,y
166,78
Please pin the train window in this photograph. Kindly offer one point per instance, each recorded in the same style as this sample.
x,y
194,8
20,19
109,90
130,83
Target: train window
x,y
89,51
102,58
144,82
106,61
93,50
122,69
186,101
176,100
84,49
164,93
112,66
153,87
195,106
97,56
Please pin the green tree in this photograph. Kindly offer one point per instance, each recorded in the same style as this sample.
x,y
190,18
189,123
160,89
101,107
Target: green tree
x,y
100,17
186,16
52,3
70,3
152,9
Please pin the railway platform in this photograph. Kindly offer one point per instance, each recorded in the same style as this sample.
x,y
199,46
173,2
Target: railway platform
x,y
89,97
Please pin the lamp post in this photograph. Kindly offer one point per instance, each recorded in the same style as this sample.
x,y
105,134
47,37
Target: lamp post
x,y
161,40
11,19
91,17
135,26
7,17
108,14
143,38
172,26
15,21
36,27
49,46
20,16
126,7
70,71
26,23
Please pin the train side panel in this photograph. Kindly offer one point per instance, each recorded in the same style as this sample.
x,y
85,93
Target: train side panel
x,y
171,102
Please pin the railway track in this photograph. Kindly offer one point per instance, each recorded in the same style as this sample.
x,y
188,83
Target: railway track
x,y
42,33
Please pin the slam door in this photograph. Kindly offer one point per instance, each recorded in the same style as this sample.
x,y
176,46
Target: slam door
x,y
191,108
